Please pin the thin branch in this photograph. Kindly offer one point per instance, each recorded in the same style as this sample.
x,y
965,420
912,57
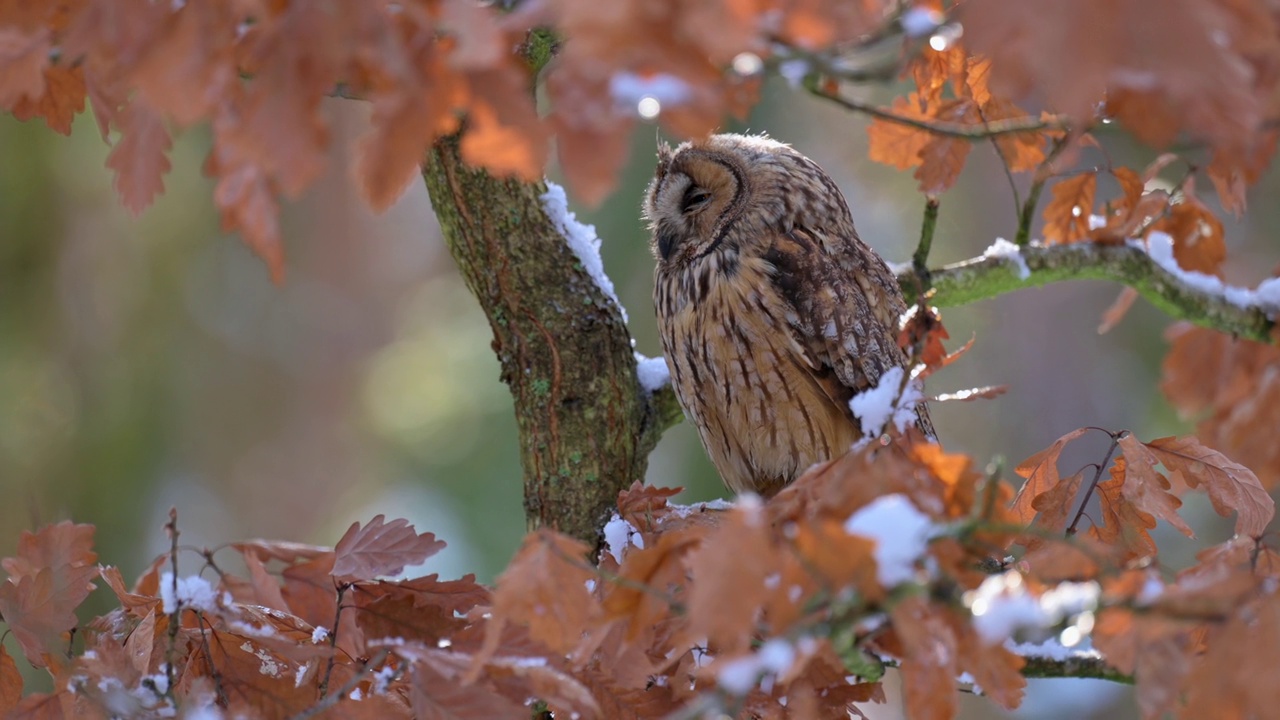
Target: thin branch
x,y
1028,213
1097,475
920,259
987,277
967,131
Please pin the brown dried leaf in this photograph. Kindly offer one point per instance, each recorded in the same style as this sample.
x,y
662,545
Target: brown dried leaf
x,y
895,144
1124,526
1230,485
140,158
24,57
138,605
40,608
10,683
930,649
545,589
1117,310
381,548
1041,472
1147,489
63,98
1198,236
1066,217
64,543
725,593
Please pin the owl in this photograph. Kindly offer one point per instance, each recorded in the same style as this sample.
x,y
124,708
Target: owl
x,y
773,313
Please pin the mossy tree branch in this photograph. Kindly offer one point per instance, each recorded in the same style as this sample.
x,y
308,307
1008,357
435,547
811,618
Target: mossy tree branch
x,y
984,278
586,426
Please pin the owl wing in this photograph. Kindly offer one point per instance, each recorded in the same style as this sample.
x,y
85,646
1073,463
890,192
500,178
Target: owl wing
x,y
846,306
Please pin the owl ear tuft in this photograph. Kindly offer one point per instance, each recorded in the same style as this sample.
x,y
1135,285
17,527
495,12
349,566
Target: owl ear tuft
x,y
665,153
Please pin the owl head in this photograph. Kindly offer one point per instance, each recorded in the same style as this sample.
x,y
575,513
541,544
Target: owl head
x,y
727,190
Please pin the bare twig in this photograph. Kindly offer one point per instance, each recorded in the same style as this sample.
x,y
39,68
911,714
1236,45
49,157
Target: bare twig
x,y
967,131
333,640
1097,475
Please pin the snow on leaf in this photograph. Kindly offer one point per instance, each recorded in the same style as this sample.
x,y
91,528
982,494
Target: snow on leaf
x,y
140,158
1066,216
381,548
901,533
1041,472
1230,485
888,405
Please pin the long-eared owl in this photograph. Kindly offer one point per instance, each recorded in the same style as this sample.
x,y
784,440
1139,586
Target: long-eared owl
x,y
773,313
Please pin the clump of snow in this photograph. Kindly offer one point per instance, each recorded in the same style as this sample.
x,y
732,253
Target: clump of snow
x,y
899,268
1051,650
1159,247
629,89
319,634
684,511
794,70
1097,221
1003,249
919,21
192,592
581,238
1002,606
877,407
652,373
619,535
901,533
740,675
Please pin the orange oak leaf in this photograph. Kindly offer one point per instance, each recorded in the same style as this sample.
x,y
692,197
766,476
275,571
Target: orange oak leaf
x,y
1066,216
39,608
381,548
1124,526
1230,485
10,682
140,158
64,543
1041,472
726,593
894,143
545,589
1148,490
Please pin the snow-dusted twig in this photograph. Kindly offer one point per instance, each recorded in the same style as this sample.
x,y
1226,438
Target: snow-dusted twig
x,y
1182,295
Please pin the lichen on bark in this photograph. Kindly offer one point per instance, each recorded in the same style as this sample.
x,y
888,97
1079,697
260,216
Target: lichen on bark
x,y
586,426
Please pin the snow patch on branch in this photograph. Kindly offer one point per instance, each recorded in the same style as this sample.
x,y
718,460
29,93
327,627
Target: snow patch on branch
x,y
900,531
194,593
1159,247
581,238
887,402
775,657
1004,250
652,373
1002,606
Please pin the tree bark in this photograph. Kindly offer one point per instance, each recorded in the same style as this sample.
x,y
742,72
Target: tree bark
x,y
586,425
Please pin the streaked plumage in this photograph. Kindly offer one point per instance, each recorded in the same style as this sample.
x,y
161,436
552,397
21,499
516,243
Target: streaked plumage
x,y
772,312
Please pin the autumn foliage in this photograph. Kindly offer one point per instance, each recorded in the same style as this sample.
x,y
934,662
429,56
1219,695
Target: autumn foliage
x,y
792,607
670,616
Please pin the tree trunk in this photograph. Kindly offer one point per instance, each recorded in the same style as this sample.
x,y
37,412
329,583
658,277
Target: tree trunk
x,y
586,425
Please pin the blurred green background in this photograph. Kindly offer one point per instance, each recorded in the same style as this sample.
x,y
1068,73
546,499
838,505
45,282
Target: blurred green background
x,y
149,362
